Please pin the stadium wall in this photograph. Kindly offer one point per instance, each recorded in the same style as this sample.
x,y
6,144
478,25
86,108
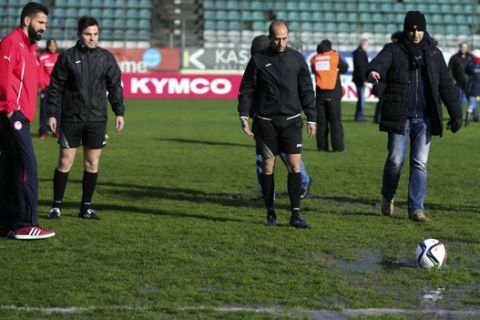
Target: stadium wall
x,y
200,73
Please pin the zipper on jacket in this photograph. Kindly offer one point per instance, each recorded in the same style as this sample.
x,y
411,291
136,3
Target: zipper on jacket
x,y
416,92
89,84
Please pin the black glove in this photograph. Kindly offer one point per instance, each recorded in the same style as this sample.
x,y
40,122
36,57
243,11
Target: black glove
x,y
454,124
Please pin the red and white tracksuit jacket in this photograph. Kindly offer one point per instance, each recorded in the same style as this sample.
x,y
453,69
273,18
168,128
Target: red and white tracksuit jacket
x,y
19,76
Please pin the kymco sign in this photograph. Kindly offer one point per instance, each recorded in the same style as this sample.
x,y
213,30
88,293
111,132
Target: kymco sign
x,y
178,86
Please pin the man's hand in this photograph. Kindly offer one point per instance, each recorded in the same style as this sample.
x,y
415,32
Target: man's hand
x,y
52,124
119,123
246,127
374,77
311,129
454,124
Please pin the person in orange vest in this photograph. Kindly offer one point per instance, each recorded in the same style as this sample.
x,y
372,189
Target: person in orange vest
x,y
327,65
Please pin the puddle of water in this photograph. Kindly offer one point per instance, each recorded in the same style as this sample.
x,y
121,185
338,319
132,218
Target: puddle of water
x,y
372,261
430,297
447,298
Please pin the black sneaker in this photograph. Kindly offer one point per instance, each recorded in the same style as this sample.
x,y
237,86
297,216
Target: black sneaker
x,y
89,214
54,213
297,222
306,191
271,219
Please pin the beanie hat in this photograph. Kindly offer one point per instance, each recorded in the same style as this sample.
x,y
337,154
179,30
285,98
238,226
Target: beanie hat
x,y
324,46
259,43
414,20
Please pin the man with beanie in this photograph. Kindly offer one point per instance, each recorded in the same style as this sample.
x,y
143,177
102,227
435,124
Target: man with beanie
x,y
260,43
327,65
278,84
80,80
416,81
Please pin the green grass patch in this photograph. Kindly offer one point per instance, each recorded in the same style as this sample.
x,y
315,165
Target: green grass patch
x,y
182,234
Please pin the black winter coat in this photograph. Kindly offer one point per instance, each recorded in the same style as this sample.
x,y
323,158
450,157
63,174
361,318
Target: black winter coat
x,y
393,66
360,66
80,82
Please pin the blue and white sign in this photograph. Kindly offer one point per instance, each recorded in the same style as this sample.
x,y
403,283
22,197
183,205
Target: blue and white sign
x,y
152,58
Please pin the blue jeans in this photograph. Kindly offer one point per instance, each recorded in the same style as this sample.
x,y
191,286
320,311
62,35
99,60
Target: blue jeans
x,y
417,131
304,177
472,107
359,113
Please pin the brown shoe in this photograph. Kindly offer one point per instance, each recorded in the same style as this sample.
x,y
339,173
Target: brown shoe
x,y
388,207
418,216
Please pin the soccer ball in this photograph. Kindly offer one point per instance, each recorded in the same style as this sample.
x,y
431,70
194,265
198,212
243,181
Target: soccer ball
x,y
431,253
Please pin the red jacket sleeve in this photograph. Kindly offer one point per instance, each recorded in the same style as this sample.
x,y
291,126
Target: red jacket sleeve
x,y
8,59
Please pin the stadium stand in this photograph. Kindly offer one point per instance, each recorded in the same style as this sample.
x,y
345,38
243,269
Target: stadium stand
x,y
120,20
232,23
343,21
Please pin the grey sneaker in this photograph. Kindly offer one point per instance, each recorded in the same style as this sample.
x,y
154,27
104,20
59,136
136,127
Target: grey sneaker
x,y
54,213
388,207
418,216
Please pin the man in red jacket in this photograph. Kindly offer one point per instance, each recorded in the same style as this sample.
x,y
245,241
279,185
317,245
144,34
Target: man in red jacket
x,y
47,61
18,97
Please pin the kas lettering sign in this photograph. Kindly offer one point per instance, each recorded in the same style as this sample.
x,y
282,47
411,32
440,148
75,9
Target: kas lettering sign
x,y
215,59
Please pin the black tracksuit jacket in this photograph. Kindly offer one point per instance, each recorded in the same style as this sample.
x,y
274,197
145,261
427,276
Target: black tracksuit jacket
x,y
277,84
80,82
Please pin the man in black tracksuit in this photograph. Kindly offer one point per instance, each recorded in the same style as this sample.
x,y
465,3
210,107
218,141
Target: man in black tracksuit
x,y
416,79
80,79
277,82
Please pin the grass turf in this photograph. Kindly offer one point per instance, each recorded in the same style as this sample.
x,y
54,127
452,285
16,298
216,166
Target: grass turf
x,y
182,234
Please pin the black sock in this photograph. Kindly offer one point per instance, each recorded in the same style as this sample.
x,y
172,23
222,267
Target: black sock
x,y
59,184
88,186
268,190
294,191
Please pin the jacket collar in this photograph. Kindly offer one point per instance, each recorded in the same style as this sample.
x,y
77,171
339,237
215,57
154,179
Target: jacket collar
x,y
80,46
428,47
24,37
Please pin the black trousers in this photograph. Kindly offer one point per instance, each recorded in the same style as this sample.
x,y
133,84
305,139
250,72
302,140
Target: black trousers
x,y
18,173
329,120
